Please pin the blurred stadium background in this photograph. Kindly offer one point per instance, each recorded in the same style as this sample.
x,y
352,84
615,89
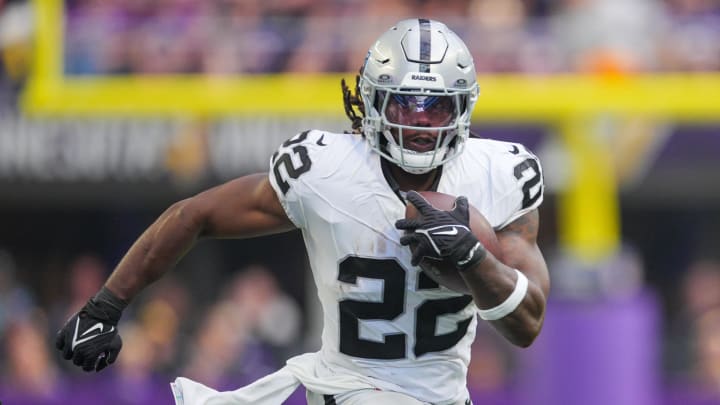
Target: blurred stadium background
x,y
110,110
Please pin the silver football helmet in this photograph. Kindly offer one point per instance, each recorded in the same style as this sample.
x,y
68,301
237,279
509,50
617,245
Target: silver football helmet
x,y
419,65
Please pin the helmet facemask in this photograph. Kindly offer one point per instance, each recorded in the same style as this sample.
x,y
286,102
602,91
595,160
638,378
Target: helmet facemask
x,y
442,116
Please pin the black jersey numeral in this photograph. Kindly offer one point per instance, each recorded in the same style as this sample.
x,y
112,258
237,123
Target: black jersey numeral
x,y
426,341
285,160
392,306
521,171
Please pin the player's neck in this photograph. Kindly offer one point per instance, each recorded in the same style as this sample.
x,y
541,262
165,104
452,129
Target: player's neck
x,y
418,182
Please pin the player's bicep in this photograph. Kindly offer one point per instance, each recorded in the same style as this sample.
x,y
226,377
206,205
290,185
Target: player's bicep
x,y
518,242
244,207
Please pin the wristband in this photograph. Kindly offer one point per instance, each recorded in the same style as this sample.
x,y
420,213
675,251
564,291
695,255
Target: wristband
x,y
510,304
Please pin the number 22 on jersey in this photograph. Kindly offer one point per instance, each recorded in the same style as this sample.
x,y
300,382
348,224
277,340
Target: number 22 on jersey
x,y
390,308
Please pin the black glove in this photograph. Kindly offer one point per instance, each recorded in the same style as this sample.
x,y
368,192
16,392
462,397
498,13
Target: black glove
x,y
442,234
90,337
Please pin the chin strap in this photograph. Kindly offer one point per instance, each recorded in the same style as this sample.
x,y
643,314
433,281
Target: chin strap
x,y
414,162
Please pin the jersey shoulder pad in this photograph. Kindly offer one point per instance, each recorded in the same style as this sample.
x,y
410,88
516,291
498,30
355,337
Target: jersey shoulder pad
x,y
310,154
298,161
516,174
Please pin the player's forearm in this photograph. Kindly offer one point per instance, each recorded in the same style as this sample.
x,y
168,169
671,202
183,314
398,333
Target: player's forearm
x,y
491,283
157,250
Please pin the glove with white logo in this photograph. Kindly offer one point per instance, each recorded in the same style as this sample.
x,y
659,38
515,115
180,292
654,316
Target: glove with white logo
x,y
90,336
441,235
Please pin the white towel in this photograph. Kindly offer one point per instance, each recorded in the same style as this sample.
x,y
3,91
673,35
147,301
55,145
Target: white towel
x,y
274,388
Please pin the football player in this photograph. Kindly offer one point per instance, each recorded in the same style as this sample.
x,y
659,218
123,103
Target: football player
x,y
391,334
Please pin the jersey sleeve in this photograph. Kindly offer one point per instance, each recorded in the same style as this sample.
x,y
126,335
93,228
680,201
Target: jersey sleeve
x,y
289,167
523,186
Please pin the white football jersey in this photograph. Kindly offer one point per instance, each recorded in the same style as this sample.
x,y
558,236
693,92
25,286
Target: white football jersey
x,y
384,320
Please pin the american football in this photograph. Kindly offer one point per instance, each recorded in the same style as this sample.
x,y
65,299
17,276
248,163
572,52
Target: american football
x,y
442,272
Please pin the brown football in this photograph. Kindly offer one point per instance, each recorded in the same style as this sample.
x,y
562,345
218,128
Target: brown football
x,y
445,273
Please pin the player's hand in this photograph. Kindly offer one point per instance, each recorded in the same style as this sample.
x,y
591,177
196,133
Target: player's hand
x,y
90,337
441,234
